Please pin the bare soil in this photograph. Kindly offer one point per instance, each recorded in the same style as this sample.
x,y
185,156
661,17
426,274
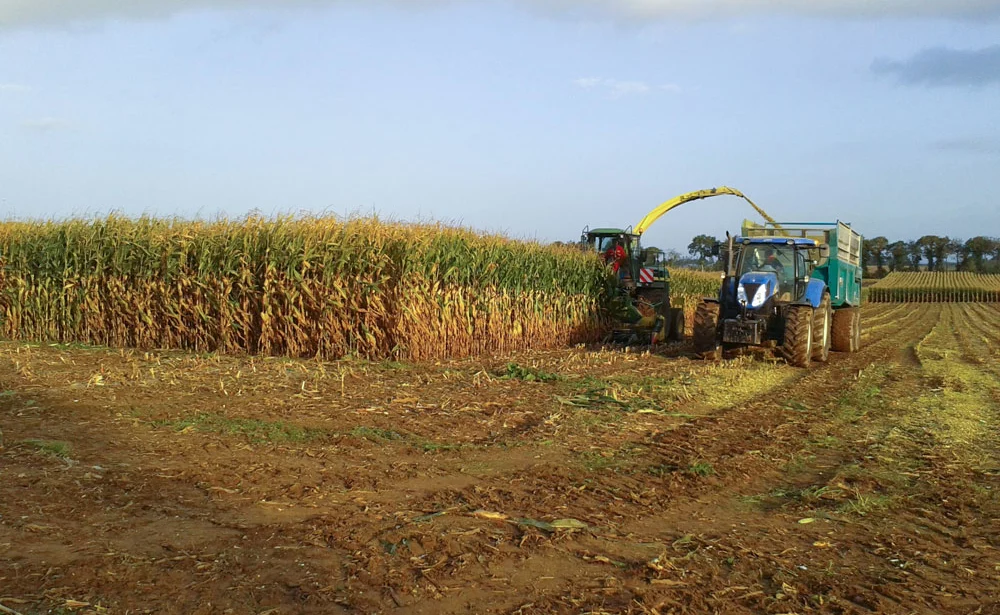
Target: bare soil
x,y
577,481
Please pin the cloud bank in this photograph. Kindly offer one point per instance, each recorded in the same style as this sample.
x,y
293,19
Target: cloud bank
x,y
942,67
968,145
27,13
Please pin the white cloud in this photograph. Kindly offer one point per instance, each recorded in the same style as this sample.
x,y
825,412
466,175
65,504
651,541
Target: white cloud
x,y
619,89
46,124
626,88
588,82
13,88
20,13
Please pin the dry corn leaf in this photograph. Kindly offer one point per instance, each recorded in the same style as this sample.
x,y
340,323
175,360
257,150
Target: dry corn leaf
x,y
487,514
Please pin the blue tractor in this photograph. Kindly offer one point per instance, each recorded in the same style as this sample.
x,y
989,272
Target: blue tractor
x,y
793,286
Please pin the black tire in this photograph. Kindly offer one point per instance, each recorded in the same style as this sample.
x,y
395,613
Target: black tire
x,y
797,347
706,323
846,330
676,324
822,325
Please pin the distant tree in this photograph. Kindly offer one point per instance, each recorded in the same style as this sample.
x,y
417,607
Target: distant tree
x,y
994,264
701,248
673,257
915,253
898,252
943,247
928,245
874,249
963,258
978,248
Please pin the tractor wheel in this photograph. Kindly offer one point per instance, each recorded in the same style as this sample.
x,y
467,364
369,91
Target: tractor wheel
x,y
797,348
706,323
676,324
846,330
822,323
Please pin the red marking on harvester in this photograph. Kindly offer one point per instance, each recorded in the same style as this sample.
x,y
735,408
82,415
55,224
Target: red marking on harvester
x,y
646,276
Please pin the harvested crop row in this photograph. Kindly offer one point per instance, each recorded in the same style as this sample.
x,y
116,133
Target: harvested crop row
x,y
294,287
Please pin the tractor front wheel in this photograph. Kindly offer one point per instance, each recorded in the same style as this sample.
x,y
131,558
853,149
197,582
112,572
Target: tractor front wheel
x,y
705,334
797,348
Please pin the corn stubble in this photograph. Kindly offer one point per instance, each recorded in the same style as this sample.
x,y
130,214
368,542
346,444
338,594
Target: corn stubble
x,y
302,287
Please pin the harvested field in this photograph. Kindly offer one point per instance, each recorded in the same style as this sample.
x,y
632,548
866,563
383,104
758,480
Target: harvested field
x,y
566,481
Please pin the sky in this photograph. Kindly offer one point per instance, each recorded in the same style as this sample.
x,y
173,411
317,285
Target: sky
x,y
532,118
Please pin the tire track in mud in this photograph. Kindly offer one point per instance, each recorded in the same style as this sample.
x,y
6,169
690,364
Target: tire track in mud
x,y
724,434
705,590
816,386
944,541
739,453
609,500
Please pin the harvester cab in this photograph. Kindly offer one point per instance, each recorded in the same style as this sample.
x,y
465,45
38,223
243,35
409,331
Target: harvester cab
x,y
644,314
794,286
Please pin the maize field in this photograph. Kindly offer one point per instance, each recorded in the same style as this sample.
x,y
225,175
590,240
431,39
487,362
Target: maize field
x,y
924,287
313,287
688,286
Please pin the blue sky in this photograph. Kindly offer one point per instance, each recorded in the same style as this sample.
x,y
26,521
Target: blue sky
x,y
533,117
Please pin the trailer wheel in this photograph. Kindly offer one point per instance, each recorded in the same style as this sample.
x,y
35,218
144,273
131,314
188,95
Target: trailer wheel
x,y
706,324
821,330
846,330
797,348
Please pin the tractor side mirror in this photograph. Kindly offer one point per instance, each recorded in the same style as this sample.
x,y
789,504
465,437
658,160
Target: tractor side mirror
x,y
824,250
716,249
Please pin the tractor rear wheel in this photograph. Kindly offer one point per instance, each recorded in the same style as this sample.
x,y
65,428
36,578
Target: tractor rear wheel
x,y
706,324
846,330
797,348
822,323
676,324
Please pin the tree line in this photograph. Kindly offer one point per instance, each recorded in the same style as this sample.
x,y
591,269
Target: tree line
x,y
933,253
980,254
879,255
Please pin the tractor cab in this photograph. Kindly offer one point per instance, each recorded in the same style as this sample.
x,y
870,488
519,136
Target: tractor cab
x,y
769,271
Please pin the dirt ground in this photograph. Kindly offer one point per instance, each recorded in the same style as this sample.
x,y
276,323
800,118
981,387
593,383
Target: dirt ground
x,y
577,481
